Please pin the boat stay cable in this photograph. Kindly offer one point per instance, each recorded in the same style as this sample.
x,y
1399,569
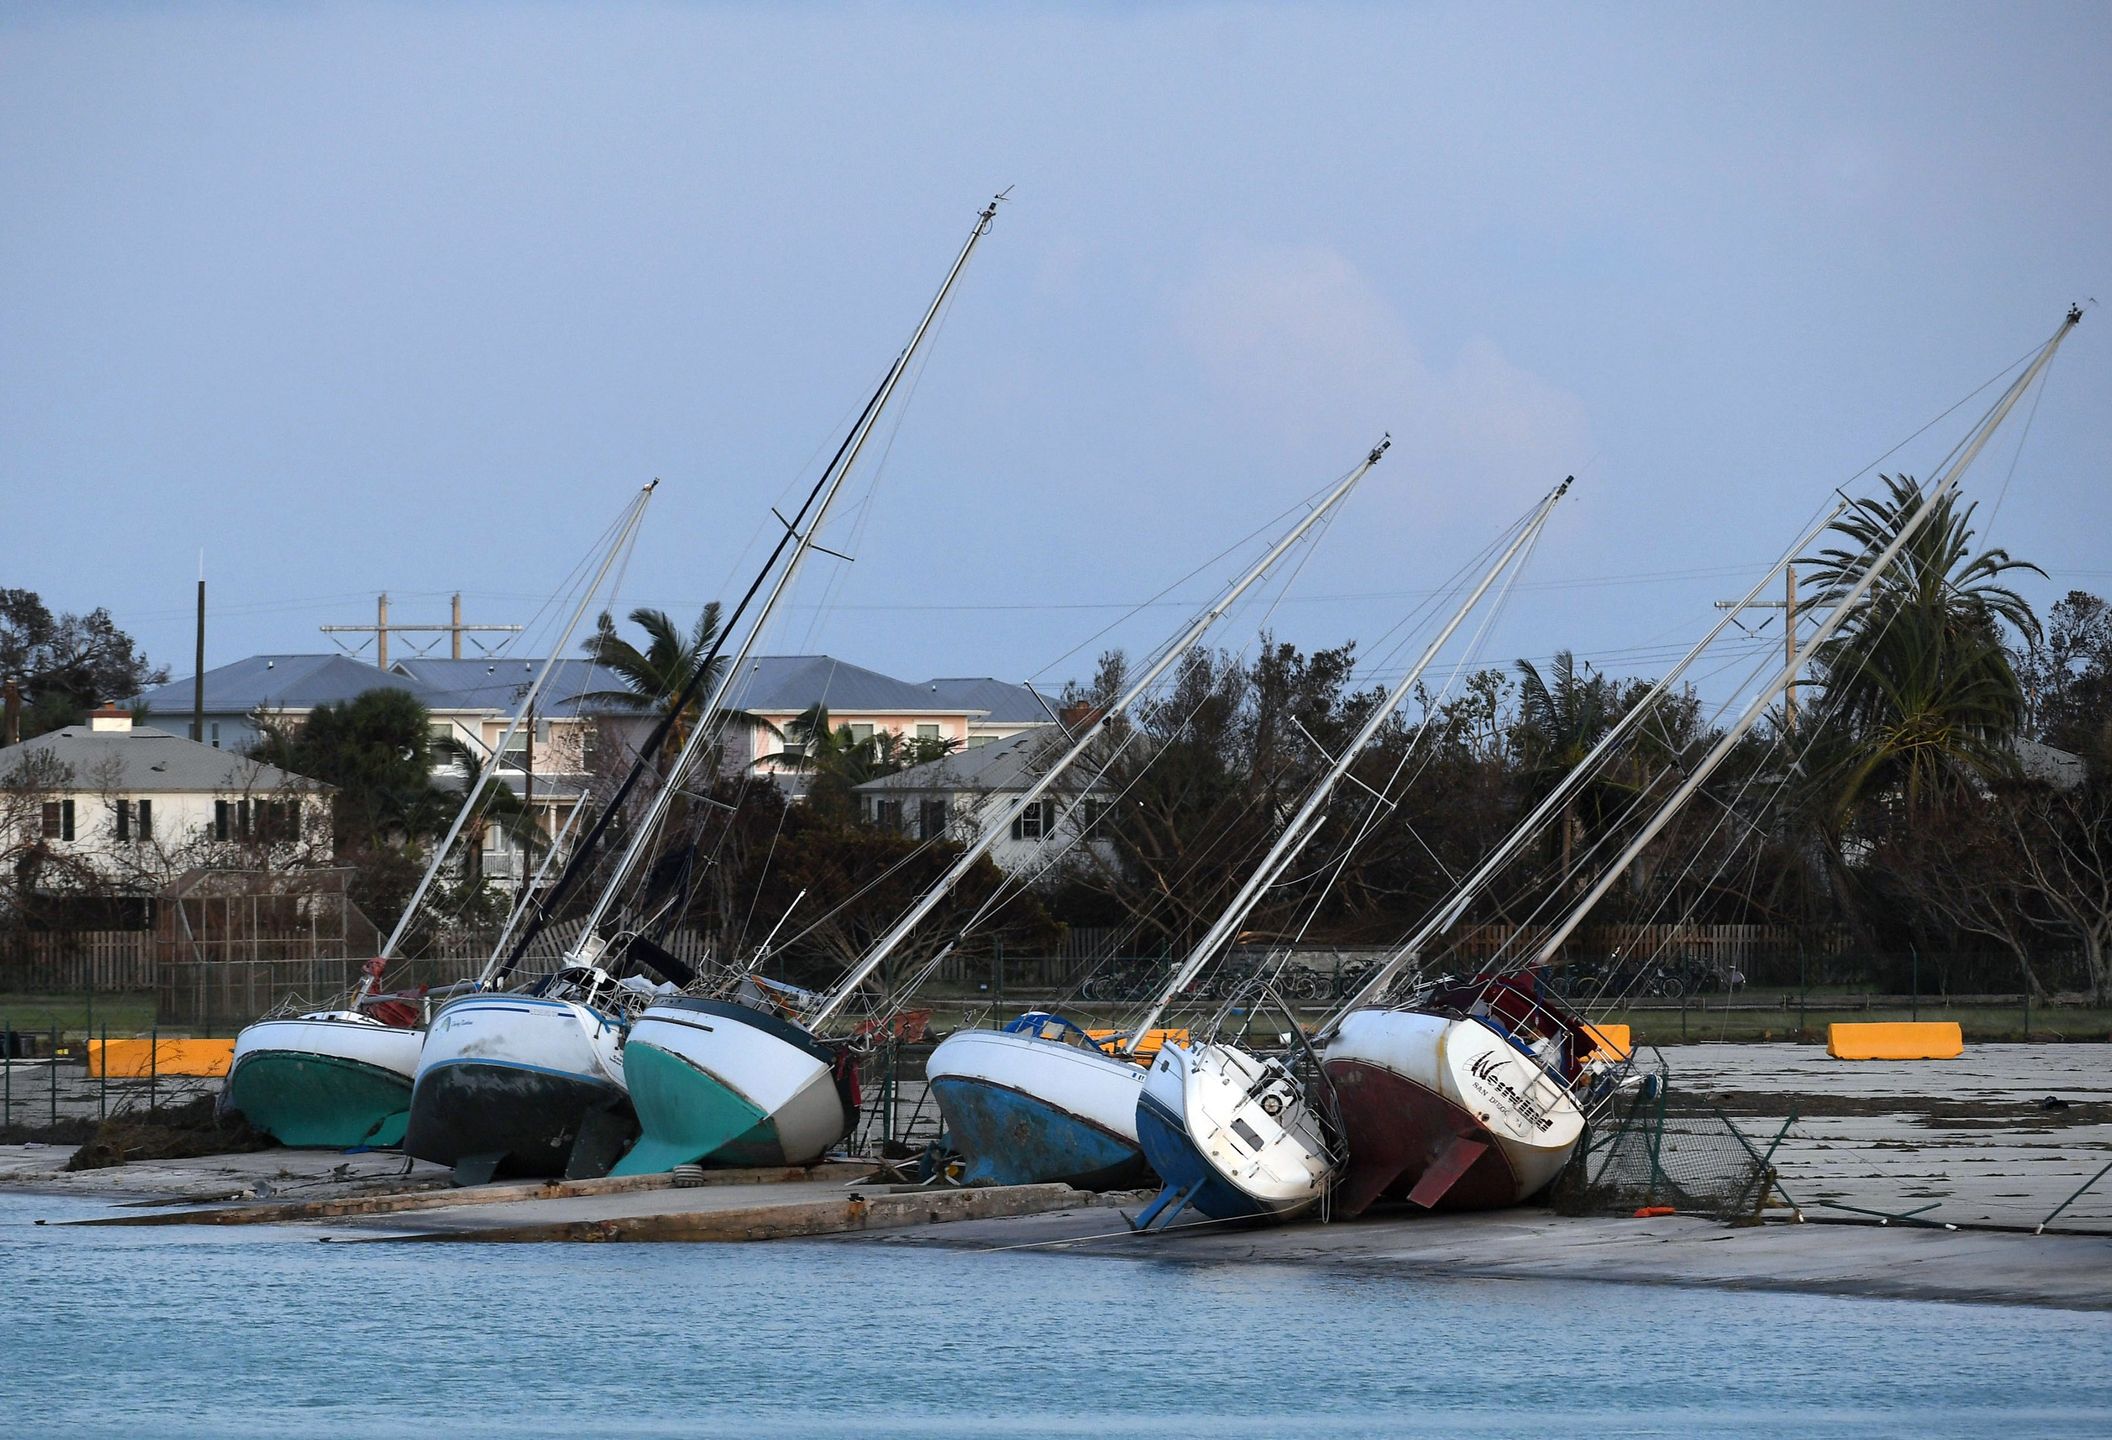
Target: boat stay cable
x,y
1084,740
626,531
1305,822
797,529
1845,604
1451,910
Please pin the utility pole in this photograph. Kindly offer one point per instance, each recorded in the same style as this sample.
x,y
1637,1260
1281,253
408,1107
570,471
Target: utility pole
x,y
381,629
1788,606
198,673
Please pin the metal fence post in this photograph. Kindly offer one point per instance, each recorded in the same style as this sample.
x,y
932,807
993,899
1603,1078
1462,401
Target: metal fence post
x,y
1803,989
102,1094
153,1067
7,1084
997,966
54,1075
1914,970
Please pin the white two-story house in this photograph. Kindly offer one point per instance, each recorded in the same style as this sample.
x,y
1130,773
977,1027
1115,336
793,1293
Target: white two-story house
x,y
953,797
122,808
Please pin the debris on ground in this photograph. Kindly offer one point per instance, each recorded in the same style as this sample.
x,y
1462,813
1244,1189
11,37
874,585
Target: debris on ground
x,y
177,1132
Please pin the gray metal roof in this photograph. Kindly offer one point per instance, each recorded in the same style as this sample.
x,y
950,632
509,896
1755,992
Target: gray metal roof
x,y
772,685
2050,765
1001,701
1009,764
287,682
788,684
144,759
500,684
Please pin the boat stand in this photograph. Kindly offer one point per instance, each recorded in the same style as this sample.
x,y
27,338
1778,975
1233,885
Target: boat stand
x,y
1175,1196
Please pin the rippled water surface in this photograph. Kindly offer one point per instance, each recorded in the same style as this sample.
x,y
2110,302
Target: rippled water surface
x,y
181,1332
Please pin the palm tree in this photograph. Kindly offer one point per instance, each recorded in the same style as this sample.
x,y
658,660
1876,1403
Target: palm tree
x,y
498,809
1557,726
839,761
1918,697
655,676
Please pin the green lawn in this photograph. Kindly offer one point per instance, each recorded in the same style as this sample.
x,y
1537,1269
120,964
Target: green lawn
x,y
121,1014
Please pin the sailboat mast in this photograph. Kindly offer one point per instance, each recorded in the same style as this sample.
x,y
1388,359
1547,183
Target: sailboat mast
x,y
1448,914
1001,824
1835,618
627,527
803,542
1304,824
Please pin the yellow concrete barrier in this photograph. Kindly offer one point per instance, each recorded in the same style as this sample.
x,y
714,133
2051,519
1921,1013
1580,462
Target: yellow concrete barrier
x,y
1895,1040
137,1059
1612,1042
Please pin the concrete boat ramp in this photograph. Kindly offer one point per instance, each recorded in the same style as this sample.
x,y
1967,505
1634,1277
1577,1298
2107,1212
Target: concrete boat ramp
x,y
2068,1272
730,1205
850,1203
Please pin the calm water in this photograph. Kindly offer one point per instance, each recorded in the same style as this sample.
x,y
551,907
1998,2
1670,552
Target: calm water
x,y
178,1332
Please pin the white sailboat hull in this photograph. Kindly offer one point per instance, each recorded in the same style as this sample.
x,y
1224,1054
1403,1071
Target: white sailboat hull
x,y
1418,1091
1231,1135
1023,1110
333,1078
514,1081
722,1083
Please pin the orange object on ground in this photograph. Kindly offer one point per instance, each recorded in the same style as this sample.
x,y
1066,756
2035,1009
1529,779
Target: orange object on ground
x,y
1651,1212
1896,1040
1147,1048
138,1059
1612,1042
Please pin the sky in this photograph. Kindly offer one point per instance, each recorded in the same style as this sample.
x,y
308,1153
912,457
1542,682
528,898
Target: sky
x,y
413,298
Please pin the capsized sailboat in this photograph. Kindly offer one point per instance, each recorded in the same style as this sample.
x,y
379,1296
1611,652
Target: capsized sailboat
x,y
549,1086
340,1077
1040,1100
1232,1134
1475,1095
743,1072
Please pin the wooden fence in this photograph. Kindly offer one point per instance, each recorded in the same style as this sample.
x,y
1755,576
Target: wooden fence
x,y
44,963
1722,947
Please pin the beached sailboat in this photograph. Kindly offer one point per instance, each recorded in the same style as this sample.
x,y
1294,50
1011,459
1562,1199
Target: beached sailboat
x,y
1232,1134
744,1069
1475,1095
545,1083
340,1077
1485,1066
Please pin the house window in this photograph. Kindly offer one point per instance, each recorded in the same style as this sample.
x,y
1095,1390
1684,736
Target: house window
x,y
891,814
1035,821
927,732
146,820
55,820
278,820
931,819
221,811
1091,812
861,734
123,810
214,731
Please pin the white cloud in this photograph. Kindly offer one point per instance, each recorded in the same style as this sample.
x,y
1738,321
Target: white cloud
x,y
1303,346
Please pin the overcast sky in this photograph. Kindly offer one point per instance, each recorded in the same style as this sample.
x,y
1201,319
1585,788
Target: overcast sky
x,y
413,297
